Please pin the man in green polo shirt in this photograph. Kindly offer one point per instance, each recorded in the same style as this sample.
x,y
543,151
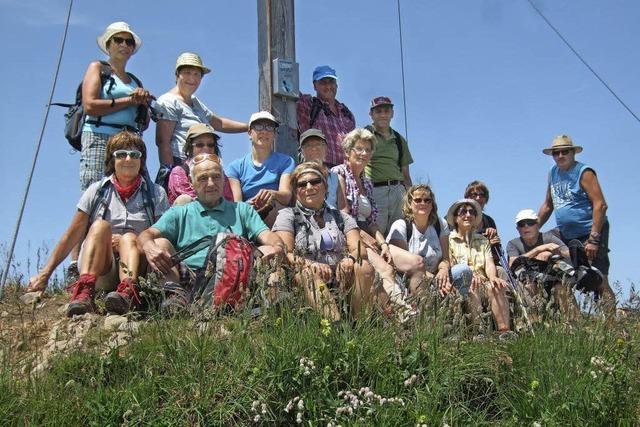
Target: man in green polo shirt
x,y
389,166
207,215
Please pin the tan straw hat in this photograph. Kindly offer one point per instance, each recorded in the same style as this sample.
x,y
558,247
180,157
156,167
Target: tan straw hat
x,y
451,213
201,129
191,60
115,28
562,142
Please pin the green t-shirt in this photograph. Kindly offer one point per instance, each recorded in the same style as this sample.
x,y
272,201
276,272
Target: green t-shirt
x,y
183,225
384,163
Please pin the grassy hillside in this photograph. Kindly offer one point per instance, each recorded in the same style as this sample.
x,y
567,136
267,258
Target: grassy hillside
x,y
289,367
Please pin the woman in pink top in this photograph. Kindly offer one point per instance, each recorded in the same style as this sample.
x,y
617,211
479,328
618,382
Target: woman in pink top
x,y
201,139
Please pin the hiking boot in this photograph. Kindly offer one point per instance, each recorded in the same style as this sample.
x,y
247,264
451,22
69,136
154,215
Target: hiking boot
x,y
176,302
82,294
71,275
123,299
506,335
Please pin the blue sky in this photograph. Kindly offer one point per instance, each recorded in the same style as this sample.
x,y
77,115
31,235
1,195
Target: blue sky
x,y
488,86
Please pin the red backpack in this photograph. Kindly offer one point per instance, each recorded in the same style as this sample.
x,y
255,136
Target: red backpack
x,y
227,273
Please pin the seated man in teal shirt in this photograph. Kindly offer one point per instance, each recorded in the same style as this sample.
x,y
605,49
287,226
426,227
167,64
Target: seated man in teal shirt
x,y
207,215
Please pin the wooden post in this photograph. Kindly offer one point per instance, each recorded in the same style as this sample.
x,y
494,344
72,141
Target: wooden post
x,y
276,39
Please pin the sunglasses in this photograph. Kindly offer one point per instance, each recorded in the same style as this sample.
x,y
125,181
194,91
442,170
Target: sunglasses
x,y
474,195
314,183
120,40
423,200
564,152
203,157
263,126
202,145
527,223
123,154
470,211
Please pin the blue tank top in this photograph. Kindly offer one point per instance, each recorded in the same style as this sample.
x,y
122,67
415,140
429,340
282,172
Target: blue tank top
x,y
574,211
126,116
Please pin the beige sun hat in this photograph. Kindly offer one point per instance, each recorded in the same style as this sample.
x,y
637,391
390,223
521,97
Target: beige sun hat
x,y
115,28
560,142
451,213
316,133
199,129
192,60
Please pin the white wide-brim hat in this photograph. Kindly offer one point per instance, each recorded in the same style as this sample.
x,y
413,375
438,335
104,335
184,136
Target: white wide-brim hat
x,y
115,28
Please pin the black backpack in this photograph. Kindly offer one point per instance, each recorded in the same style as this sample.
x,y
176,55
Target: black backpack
x,y
409,224
398,144
100,202
75,117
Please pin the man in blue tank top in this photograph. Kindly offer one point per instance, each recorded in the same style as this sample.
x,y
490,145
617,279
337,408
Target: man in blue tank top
x,y
575,194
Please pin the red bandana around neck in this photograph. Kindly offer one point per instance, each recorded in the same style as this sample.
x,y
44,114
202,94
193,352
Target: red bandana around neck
x,y
127,191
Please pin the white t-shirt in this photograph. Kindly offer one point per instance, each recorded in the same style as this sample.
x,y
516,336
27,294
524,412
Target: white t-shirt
x,y
426,245
364,207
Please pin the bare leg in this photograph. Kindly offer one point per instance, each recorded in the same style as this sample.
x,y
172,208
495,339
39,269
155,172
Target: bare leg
x,y
500,308
405,261
318,296
173,275
566,301
97,252
362,294
473,305
129,256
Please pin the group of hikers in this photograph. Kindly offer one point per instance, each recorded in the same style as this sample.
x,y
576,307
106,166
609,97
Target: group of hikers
x,y
346,221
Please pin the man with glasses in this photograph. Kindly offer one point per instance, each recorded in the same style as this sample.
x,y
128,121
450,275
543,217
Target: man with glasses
x,y
261,178
574,193
542,259
326,113
208,215
389,165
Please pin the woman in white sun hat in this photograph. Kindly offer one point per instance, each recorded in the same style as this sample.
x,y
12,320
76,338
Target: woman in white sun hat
x,y
179,109
113,99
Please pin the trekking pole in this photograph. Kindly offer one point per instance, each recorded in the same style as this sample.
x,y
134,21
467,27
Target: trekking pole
x,y
504,263
5,273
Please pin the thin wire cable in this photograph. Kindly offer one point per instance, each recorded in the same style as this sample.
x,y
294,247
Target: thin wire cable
x,y
35,155
583,60
404,94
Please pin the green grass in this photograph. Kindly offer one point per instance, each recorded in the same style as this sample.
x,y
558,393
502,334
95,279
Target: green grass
x,y
177,374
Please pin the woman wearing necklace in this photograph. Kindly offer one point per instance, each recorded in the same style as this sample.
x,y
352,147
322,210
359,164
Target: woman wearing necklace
x,y
317,237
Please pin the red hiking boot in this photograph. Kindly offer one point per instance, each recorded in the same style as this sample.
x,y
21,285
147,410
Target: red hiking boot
x,y
123,298
82,294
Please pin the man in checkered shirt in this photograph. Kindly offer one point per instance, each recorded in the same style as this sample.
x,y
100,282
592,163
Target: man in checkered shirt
x,y
326,113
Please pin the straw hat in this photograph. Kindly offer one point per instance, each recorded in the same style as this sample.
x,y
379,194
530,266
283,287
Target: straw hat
x,y
191,60
560,142
115,28
451,213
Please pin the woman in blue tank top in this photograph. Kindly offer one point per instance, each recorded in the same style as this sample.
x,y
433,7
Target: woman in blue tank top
x,y
111,99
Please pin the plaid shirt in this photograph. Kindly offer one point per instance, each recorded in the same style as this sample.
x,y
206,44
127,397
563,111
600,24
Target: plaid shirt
x,y
474,254
334,127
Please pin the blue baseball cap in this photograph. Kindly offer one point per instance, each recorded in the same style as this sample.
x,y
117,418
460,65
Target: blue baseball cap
x,y
323,71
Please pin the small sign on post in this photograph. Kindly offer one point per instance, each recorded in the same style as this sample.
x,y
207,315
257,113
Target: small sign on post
x,y
285,78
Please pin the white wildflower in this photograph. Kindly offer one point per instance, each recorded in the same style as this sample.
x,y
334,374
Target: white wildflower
x,y
264,409
256,419
254,405
536,424
301,404
299,418
593,375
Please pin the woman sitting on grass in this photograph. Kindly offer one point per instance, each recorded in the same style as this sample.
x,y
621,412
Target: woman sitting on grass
x,y
114,210
473,271
423,233
321,235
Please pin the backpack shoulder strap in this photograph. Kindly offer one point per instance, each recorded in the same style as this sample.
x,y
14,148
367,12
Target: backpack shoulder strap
x,y
409,228
316,106
398,138
101,198
337,216
135,79
147,194
438,227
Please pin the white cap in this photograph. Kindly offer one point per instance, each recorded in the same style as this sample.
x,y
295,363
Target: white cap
x,y
526,214
262,115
